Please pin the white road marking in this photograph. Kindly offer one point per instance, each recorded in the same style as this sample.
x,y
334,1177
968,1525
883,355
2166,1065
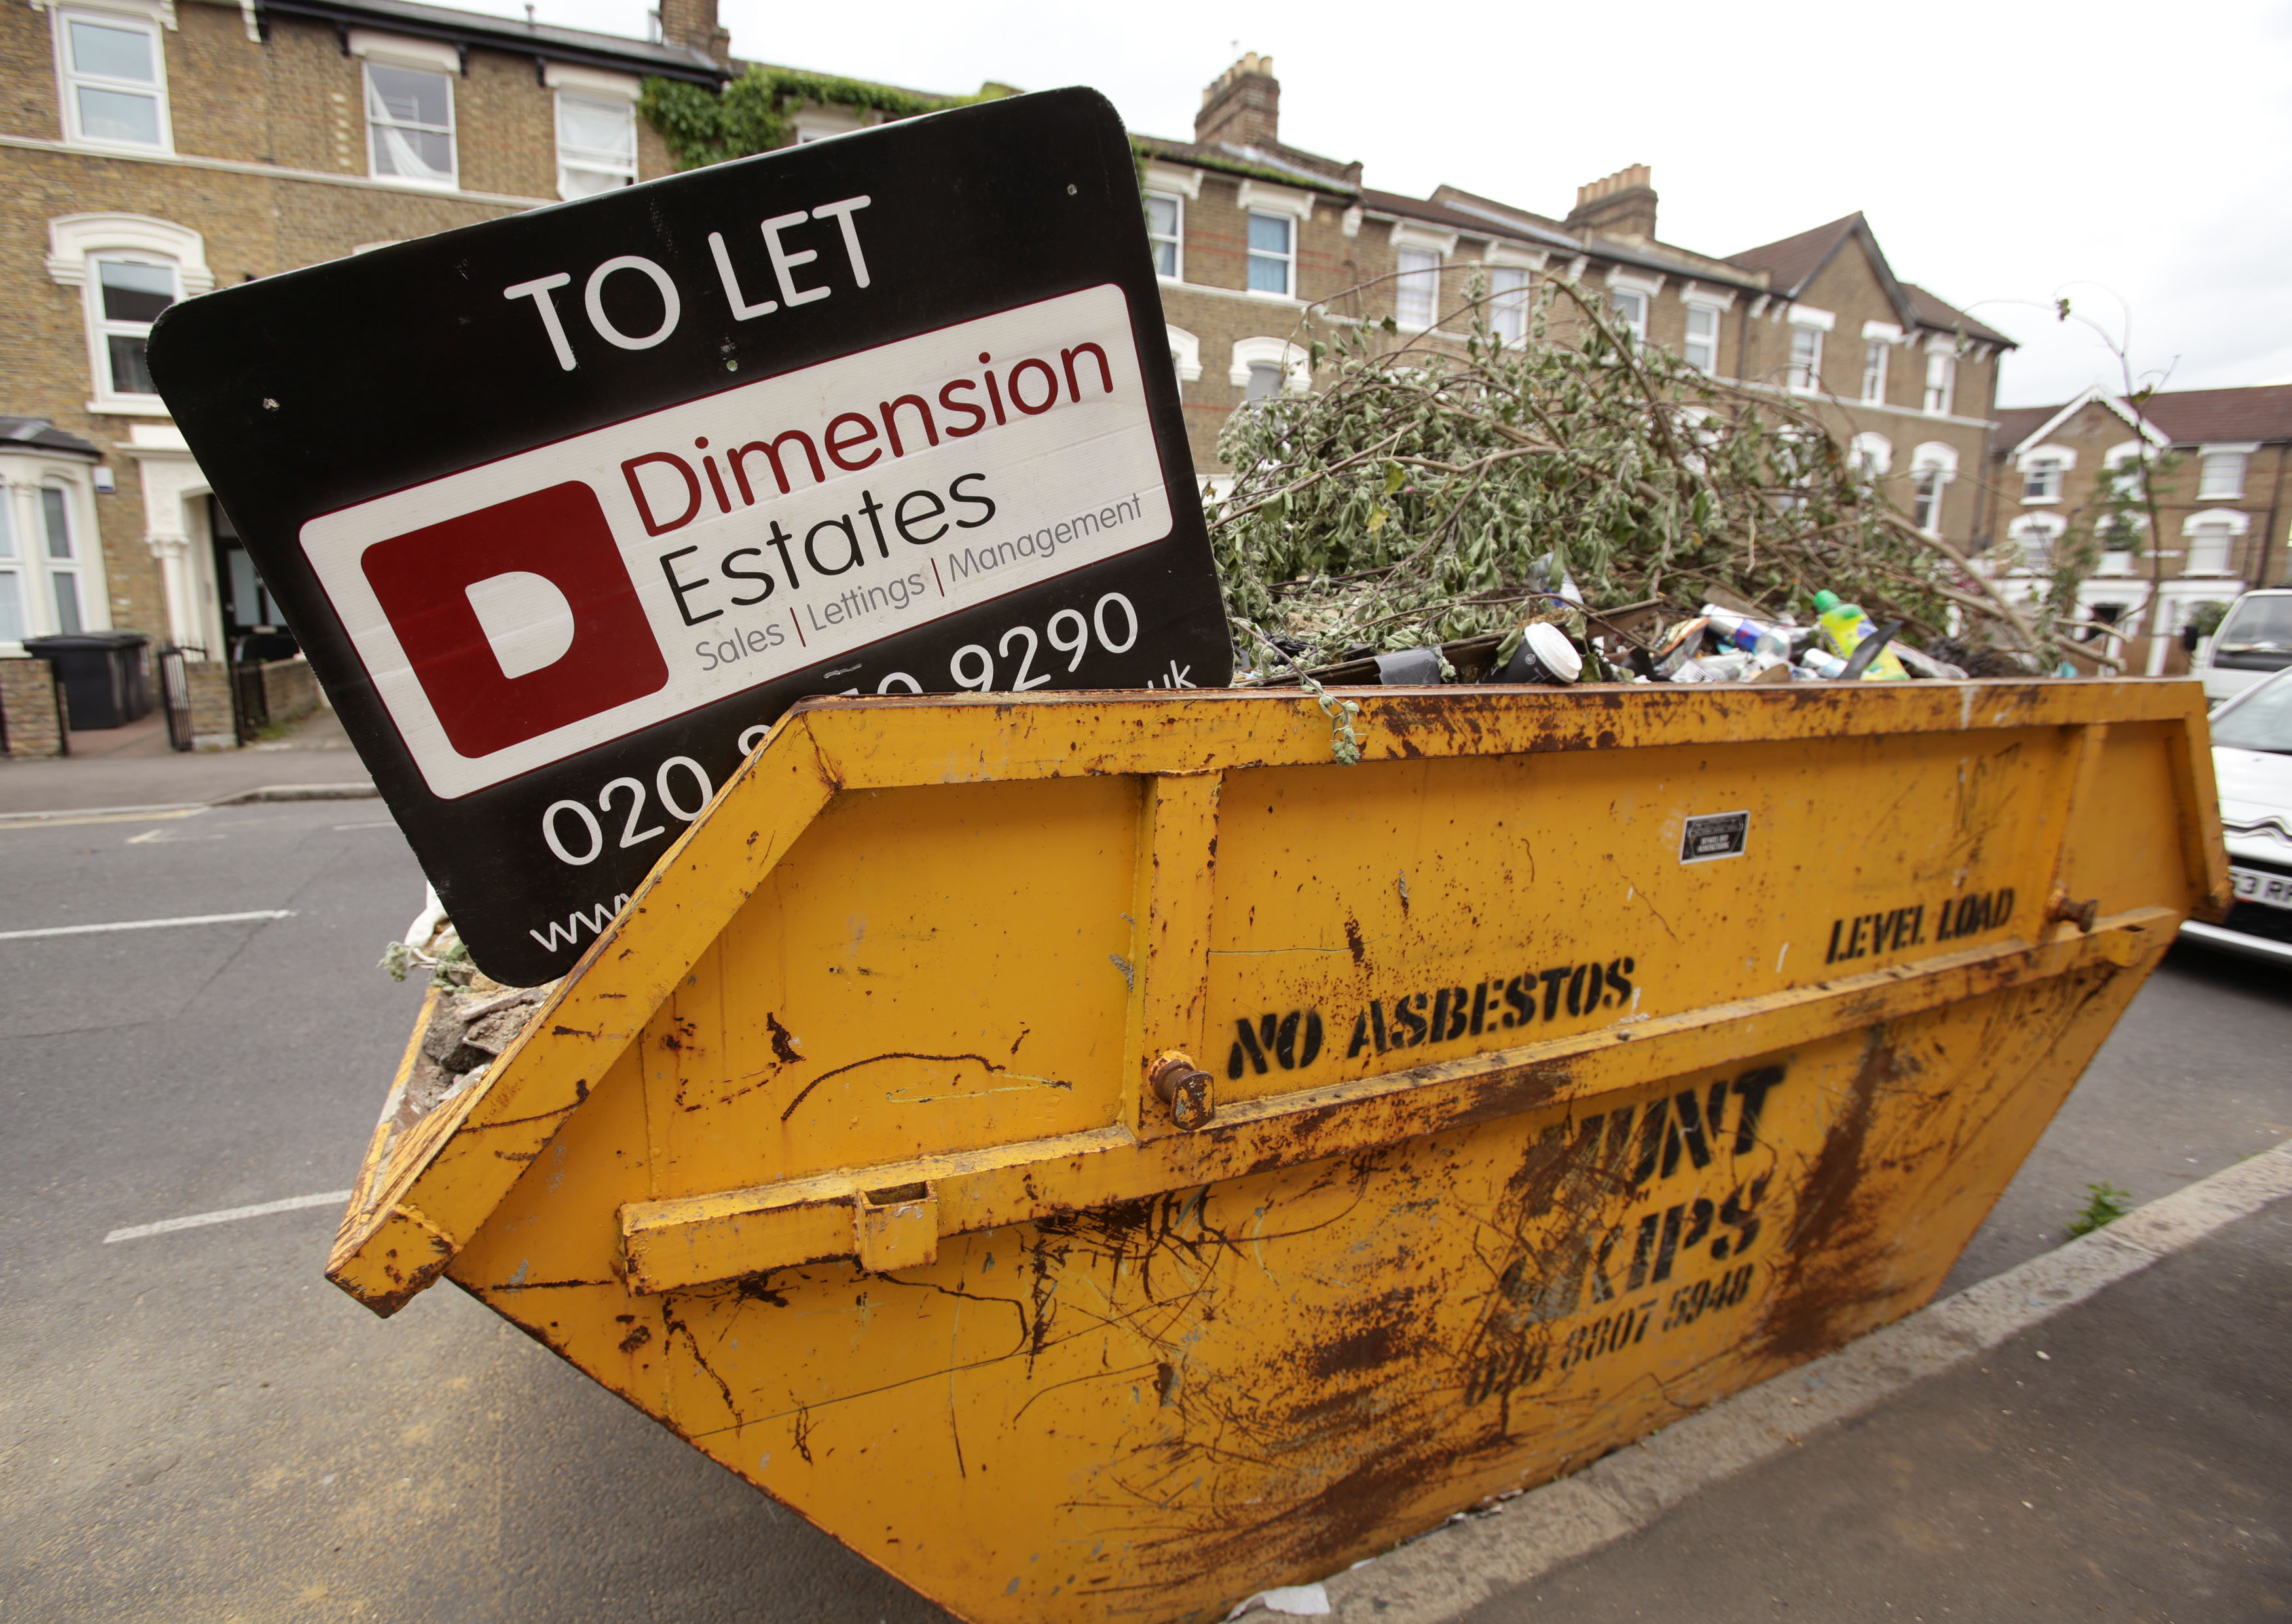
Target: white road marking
x,y
123,814
229,1215
150,925
384,823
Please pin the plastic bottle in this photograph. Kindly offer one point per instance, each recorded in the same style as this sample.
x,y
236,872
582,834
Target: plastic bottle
x,y
1816,665
1736,631
1848,626
1732,668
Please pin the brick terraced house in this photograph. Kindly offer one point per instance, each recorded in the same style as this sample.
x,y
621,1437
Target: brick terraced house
x,y
1250,235
155,149
152,149
2218,463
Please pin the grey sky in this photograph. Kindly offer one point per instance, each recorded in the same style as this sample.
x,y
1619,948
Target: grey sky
x,y
2003,151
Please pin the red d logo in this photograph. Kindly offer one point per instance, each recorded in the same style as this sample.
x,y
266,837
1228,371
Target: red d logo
x,y
518,619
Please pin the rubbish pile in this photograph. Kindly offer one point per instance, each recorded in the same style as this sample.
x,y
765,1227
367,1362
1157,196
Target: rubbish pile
x,y
477,1017
1417,499
1715,645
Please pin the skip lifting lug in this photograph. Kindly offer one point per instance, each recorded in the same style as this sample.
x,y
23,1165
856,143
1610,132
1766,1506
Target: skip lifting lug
x,y
1184,1088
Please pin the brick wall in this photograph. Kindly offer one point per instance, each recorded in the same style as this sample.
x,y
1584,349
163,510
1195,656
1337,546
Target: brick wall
x,y
32,719
213,724
289,691
294,102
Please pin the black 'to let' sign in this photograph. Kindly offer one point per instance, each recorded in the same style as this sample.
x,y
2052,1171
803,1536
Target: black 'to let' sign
x,y
565,507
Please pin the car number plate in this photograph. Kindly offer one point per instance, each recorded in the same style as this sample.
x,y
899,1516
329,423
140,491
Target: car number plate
x,y
2268,890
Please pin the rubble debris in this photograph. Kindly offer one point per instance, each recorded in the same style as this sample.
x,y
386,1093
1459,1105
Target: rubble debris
x,y
475,1021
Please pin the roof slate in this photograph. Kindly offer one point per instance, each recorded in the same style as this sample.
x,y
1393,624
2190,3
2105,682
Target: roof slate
x,y
1789,264
2016,424
41,433
543,39
2209,416
1938,313
1282,165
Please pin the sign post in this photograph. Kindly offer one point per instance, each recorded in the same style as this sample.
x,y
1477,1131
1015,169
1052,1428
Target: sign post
x,y
565,508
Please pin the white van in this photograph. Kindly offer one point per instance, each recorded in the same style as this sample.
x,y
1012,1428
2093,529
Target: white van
x,y
2254,639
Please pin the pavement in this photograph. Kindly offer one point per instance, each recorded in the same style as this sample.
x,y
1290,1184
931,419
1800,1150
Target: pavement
x,y
132,766
194,1424
2101,1433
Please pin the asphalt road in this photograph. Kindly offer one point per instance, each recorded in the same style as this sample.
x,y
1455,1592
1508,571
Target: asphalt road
x,y
194,1424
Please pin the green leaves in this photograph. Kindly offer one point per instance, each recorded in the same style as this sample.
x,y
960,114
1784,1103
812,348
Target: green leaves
x,y
755,112
1421,496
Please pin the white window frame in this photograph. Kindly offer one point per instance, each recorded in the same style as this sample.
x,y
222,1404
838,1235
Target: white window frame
x,y
2198,527
598,88
2113,462
1941,382
1939,463
1870,455
1185,353
1629,307
1176,237
2047,530
76,241
1644,285
2209,458
1508,306
1688,341
1251,254
22,479
1294,361
2035,464
1415,283
1804,377
152,19
1287,202
413,56
1875,355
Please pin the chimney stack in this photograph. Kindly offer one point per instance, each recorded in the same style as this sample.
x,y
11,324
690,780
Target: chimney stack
x,y
692,24
1620,205
1244,107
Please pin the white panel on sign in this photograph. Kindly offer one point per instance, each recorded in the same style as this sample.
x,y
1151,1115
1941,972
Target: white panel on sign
x,y
678,558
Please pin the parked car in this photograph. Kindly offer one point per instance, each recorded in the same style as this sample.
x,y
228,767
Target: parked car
x,y
2254,639
2252,761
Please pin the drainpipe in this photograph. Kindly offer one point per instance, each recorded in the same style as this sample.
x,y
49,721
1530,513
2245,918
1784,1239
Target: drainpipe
x,y
2275,502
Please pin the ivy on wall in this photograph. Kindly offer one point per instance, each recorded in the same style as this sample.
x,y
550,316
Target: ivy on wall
x,y
756,111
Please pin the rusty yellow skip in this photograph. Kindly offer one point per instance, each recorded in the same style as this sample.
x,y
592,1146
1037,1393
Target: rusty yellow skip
x,y
1098,1157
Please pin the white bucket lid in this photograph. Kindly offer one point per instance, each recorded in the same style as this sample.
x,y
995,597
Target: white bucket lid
x,y
1553,651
